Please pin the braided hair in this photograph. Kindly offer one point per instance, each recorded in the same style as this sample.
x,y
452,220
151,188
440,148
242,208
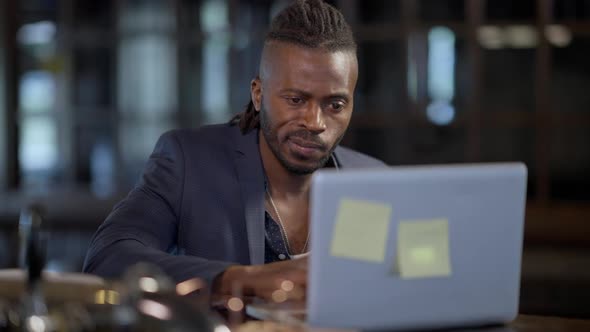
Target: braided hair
x,y
307,23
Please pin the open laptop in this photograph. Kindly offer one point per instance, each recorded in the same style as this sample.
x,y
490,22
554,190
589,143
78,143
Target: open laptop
x,y
423,247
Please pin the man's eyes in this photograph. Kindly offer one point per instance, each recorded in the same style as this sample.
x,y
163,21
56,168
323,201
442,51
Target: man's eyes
x,y
333,105
337,105
294,100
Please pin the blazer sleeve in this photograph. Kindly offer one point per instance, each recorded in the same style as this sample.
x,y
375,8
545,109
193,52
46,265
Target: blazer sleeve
x,y
144,226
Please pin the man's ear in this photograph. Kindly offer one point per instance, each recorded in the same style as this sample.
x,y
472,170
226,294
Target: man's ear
x,y
256,93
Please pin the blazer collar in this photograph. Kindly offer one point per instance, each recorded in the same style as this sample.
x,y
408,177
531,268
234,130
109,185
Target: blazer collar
x,y
251,178
251,182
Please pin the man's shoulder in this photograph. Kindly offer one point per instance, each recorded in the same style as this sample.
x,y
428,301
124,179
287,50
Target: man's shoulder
x,y
208,136
208,132
349,158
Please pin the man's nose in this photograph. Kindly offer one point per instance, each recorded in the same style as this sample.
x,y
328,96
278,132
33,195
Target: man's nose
x,y
314,118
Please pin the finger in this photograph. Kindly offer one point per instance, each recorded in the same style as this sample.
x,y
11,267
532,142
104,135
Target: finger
x,y
298,277
285,289
302,263
280,295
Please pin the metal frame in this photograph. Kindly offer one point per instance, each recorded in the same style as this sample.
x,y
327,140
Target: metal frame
x,y
9,171
3,106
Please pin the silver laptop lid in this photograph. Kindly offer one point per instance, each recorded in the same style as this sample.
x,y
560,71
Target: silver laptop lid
x,y
416,247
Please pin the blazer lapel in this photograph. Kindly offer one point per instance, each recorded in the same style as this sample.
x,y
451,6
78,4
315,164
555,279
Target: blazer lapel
x,y
251,180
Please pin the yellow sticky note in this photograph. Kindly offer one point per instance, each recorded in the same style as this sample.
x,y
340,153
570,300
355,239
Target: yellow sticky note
x,y
361,230
423,248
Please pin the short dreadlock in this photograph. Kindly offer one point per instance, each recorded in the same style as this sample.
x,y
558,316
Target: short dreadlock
x,y
306,23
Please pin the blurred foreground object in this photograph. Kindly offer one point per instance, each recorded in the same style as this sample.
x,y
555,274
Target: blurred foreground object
x,y
41,301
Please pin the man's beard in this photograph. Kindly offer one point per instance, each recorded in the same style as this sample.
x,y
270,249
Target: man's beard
x,y
272,141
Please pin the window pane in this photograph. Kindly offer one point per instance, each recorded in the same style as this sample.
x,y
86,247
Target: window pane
x,y
215,79
441,81
37,92
214,83
147,75
38,152
147,63
40,73
147,89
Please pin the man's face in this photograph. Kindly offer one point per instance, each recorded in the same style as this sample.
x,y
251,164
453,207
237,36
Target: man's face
x,y
305,100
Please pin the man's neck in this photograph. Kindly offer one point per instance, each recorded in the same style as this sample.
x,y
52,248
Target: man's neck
x,y
282,183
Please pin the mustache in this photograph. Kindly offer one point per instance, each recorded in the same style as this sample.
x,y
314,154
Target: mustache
x,y
308,136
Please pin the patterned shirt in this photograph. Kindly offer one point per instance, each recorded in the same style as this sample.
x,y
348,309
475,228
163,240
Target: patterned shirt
x,y
275,249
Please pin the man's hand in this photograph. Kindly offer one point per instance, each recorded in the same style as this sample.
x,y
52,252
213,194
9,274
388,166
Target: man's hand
x,y
264,280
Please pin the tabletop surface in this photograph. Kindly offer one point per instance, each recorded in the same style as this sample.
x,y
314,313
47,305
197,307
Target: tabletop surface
x,y
523,323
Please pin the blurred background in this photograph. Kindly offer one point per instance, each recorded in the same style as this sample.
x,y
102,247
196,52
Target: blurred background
x,y
87,87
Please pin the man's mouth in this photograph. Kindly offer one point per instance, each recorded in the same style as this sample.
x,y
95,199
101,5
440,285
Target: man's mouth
x,y
304,148
306,143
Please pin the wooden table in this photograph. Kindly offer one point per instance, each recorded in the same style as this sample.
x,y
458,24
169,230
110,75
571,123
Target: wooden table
x,y
523,323
526,323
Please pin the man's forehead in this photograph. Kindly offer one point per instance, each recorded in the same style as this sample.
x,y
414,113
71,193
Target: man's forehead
x,y
285,57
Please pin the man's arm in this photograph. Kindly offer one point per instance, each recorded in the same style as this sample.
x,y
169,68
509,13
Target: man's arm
x,y
144,226
263,280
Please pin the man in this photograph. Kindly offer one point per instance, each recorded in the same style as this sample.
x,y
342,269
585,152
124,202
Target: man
x,y
219,202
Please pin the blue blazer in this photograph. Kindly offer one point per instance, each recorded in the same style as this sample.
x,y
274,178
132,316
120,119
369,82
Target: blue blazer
x,y
197,209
